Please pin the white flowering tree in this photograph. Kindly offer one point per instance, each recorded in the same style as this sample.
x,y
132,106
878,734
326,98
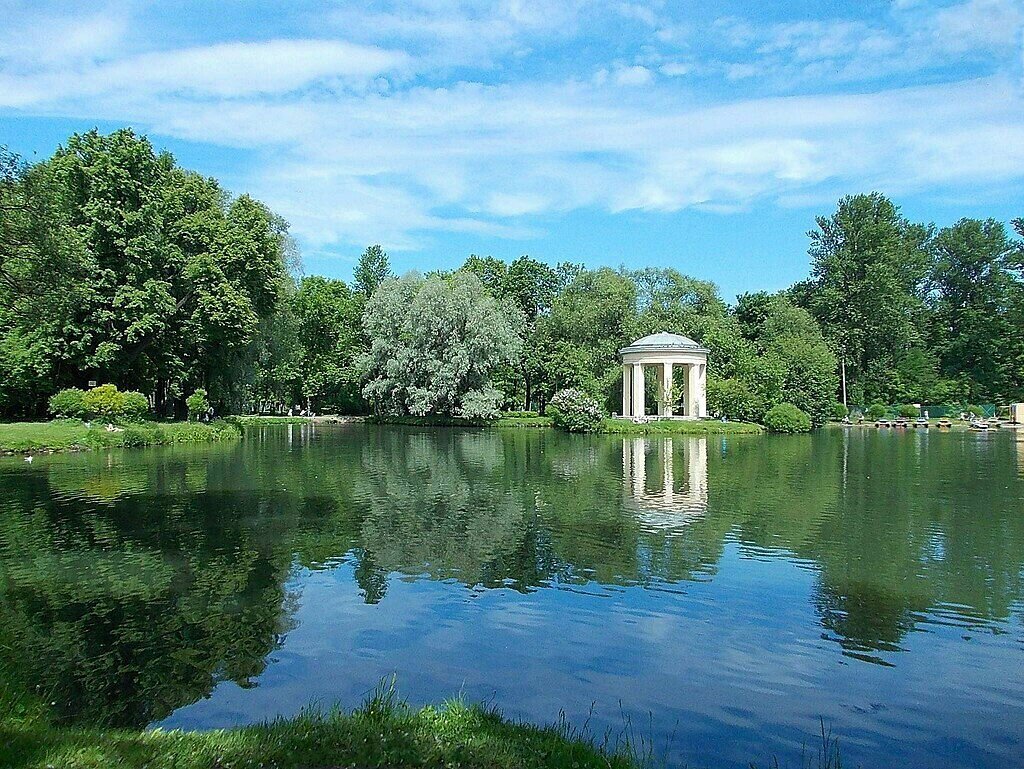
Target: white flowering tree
x,y
434,344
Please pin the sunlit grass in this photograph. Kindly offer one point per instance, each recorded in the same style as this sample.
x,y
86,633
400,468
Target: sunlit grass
x,y
383,732
680,427
75,435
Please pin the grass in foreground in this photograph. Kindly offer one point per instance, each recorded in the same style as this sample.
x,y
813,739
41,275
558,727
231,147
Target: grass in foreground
x,y
383,733
679,427
75,435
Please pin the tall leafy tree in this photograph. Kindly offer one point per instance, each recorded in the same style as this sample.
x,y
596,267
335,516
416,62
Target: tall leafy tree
x,y
435,344
868,271
975,287
373,268
330,343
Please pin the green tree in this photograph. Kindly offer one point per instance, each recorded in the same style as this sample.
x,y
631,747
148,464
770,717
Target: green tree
x,y
578,341
435,344
975,287
329,330
373,268
167,279
868,270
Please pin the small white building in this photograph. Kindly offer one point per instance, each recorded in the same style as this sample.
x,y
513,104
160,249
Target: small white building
x,y
668,353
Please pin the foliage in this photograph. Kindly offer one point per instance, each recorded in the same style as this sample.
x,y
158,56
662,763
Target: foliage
x,y
134,406
162,283
876,410
908,411
733,399
435,344
868,271
575,411
787,418
840,411
330,343
198,404
373,268
68,403
975,411
679,427
75,435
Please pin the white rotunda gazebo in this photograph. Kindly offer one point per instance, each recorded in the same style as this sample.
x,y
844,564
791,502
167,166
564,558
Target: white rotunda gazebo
x,y
667,352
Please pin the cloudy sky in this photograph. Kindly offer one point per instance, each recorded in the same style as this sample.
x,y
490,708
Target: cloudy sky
x,y
702,134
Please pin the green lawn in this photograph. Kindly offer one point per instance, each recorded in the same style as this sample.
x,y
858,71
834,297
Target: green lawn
x,y
680,427
75,435
383,733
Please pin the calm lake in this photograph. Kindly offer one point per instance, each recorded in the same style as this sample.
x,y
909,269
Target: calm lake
x,y
717,596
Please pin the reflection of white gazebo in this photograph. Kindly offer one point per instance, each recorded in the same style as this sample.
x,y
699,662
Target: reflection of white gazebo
x,y
665,351
680,495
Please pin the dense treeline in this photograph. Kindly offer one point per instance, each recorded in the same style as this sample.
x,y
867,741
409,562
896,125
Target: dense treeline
x,y
118,266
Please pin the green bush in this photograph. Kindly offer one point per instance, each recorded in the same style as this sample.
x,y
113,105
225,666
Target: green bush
x,y
134,406
198,404
135,437
575,411
733,399
975,411
68,403
787,418
908,411
104,402
839,411
876,410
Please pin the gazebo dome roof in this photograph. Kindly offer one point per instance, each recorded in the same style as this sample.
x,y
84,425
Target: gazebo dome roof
x,y
663,342
664,339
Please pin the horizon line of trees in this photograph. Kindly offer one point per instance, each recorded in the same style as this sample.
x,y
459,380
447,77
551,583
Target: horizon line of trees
x,y
118,266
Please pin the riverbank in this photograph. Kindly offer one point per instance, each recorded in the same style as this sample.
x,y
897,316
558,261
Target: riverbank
x,y
679,427
609,426
384,732
76,435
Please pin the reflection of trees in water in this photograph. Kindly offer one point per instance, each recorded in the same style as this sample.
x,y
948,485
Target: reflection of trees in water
x,y
895,530
130,584
120,612
438,503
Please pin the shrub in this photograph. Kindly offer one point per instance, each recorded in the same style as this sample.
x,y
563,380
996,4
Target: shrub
x,y
839,411
787,418
976,411
68,403
908,411
135,437
876,410
198,404
104,402
733,399
134,406
575,411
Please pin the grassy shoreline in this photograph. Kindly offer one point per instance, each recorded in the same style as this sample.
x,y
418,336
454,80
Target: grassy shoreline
x,y
63,435
384,732
679,427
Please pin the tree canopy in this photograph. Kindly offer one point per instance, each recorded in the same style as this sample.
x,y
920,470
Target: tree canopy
x,y
119,266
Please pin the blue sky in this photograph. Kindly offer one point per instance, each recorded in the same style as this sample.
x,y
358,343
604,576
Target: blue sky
x,y
700,135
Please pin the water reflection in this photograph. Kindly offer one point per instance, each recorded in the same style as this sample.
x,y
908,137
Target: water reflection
x,y
667,500
216,585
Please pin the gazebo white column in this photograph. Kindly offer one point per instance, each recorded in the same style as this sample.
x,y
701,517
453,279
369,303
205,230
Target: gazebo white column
x,y
638,407
626,390
692,391
665,405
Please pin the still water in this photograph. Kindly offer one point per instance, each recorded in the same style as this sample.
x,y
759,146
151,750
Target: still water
x,y
720,595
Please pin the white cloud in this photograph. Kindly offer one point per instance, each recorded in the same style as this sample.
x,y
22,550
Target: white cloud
x,y
222,70
356,142
635,75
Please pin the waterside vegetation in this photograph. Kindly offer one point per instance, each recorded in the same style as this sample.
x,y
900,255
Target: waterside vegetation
x,y
118,266
383,732
76,435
